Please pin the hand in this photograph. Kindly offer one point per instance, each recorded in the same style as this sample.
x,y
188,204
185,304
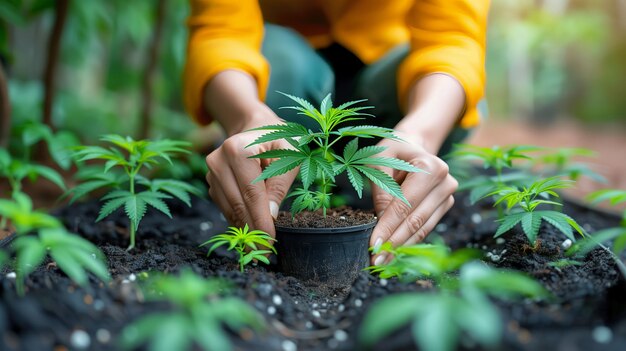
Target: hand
x,y
231,173
430,196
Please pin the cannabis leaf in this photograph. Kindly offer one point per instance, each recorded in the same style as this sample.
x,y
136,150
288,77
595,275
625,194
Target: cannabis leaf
x,y
245,242
319,163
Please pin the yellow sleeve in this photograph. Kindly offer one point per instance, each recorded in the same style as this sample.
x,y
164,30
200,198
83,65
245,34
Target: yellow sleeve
x,y
223,34
447,36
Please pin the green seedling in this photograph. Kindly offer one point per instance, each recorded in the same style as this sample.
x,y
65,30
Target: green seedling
x,y
562,162
131,156
201,311
437,320
564,262
495,158
614,198
246,243
59,144
74,255
521,205
16,170
432,261
313,152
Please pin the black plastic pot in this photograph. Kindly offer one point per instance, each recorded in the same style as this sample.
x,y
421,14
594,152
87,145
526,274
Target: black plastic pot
x,y
333,256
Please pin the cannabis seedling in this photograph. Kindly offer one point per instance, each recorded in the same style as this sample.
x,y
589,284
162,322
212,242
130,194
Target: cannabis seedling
x,y
439,319
561,162
16,170
246,243
132,156
521,205
200,311
312,151
73,255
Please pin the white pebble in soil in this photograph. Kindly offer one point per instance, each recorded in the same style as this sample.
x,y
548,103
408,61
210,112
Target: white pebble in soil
x,y
441,227
566,244
98,305
341,308
316,314
125,281
206,226
500,241
288,345
342,217
80,339
602,334
132,277
308,325
383,282
11,275
476,218
341,335
103,336
271,310
358,303
277,300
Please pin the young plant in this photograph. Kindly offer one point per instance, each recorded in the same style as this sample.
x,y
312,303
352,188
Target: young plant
x,y
246,243
438,319
495,158
521,205
561,161
201,310
16,170
74,255
312,151
131,156
432,261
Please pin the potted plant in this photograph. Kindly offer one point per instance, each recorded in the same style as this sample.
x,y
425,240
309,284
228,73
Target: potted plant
x,y
315,243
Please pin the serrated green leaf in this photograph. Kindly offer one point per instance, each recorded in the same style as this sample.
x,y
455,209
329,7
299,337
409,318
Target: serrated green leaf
x,y
356,180
508,222
109,207
559,221
530,224
390,162
383,181
135,208
366,131
279,132
308,172
154,199
280,166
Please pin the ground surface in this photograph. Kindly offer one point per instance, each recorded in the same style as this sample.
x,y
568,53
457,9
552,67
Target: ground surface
x,y
590,297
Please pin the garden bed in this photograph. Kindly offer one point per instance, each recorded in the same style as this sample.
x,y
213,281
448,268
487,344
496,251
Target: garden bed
x,y
589,312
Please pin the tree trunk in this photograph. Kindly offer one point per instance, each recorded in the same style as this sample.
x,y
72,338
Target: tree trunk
x,y
5,110
148,77
54,44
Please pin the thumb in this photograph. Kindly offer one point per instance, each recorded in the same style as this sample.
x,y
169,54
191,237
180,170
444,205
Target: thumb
x,y
277,188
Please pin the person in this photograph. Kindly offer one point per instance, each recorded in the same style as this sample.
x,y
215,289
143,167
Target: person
x,y
420,63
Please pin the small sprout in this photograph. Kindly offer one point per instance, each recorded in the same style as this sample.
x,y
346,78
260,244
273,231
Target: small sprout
x,y
562,263
131,156
72,254
319,163
438,319
521,205
201,313
246,243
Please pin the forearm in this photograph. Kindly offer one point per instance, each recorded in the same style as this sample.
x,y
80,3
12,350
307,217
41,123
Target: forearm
x,y
436,102
231,98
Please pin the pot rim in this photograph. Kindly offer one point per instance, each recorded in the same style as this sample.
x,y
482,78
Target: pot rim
x,y
334,230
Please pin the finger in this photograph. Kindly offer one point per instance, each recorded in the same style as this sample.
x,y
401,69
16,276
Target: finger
x,y
393,210
277,188
421,214
420,234
254,194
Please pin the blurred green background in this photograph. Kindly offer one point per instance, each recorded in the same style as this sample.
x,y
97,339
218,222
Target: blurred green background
x,y
547,60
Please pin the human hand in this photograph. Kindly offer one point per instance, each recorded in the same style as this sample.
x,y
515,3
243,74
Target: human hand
x,y
430,196
231,173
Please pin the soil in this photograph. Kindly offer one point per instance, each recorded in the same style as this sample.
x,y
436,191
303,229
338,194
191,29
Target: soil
x,y
335,218
590,297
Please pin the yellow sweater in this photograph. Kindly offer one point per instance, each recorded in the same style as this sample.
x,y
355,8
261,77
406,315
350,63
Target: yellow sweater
x,y
445,36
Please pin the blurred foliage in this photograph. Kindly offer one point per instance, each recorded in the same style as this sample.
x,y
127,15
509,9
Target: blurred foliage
x,y
102,64
548,58
545,58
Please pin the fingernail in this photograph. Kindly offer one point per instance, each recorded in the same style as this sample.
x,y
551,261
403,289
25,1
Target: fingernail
x,y
381,213
380,260
274,209
378,244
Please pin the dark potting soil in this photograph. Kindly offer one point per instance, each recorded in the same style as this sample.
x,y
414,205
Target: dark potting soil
x,y
54,312
335,218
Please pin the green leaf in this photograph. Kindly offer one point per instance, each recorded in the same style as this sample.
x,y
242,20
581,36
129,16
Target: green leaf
x,y
280,131
356,180
530,224
109,207
30,253
383,181
388,315
366,131
433,329
508,222
559,221
154,199
49,174
390,162
350,149
280,166
308,172
135,208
